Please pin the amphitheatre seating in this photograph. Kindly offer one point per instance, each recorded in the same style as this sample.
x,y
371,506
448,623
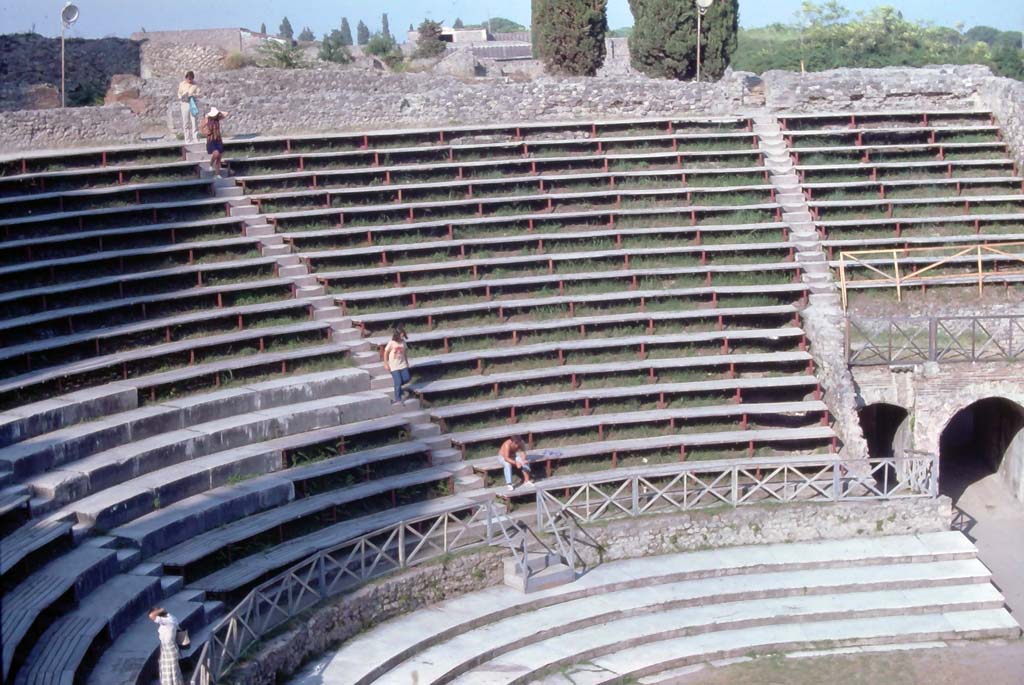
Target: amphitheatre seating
x,y
620,291
660,613
903,181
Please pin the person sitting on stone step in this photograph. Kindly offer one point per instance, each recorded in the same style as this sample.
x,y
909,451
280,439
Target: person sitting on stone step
x,y
513,455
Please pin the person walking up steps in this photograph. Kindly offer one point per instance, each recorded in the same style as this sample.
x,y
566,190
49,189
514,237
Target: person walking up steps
x,y
187,92
167,631
396,361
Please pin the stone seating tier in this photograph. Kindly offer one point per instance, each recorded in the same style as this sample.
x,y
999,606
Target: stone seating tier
x,y
49,589
96,475
573,374
478,175
68,269
233,581
478,297
138,363
68,320
791,440
84,178
839,120
591,398
193,516
813,411
77,200
38,247
39,453
524,189
59,655
41,298
99,341
517,331
673,610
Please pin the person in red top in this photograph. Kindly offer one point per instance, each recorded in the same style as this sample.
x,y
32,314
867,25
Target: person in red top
x,y
513,454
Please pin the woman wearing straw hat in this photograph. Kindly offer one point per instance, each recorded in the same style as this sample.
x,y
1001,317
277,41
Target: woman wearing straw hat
x,y
214,140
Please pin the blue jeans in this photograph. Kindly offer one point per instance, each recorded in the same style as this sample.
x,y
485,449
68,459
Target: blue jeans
x,y
525,468
400,376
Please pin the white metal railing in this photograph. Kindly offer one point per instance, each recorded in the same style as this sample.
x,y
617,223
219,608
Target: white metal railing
x,y
335,570
694,485
562,504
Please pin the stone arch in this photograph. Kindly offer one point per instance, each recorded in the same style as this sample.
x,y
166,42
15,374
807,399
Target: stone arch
x,y
887,429
980,438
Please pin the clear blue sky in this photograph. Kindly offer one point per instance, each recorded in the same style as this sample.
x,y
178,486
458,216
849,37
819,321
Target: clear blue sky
x,y
122,17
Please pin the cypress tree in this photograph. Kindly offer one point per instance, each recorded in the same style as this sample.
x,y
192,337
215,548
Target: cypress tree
x,y
285,29
537,9
362,33
307,34
664,39
385,29
263,29
572,32
346,32
458,24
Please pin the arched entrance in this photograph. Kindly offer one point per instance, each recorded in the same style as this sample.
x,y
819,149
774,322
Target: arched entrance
x,y
981,439
886,429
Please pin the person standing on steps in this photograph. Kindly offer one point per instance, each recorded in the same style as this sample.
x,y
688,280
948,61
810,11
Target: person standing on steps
x,y
513,455
188,91
214,138
167,632
396,360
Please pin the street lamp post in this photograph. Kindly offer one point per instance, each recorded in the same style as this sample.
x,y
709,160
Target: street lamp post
x,y
68,16
702,8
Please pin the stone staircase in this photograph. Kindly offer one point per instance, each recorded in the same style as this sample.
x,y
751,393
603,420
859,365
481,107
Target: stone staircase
x,y
306,286
823,317
638,618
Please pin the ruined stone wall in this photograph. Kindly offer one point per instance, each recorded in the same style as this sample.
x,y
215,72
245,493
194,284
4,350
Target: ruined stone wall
x,y
274,101
890,88
334,623
30,60
1005,97
172,60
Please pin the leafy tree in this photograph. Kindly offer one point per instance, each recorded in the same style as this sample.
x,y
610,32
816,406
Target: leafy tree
x,y
307,35
664,38
334,49
384,48
362,33
385,29
572,35
263,29
1009,61
500,25
458,24
429,43
284,55
346,32
285,30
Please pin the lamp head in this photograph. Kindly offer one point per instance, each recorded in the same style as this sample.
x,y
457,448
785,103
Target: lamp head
x,y
69,15
703,5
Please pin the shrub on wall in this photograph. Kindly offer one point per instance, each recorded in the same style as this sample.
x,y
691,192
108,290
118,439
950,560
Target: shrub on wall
x,y
332,48
430,43
282,55
236,60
